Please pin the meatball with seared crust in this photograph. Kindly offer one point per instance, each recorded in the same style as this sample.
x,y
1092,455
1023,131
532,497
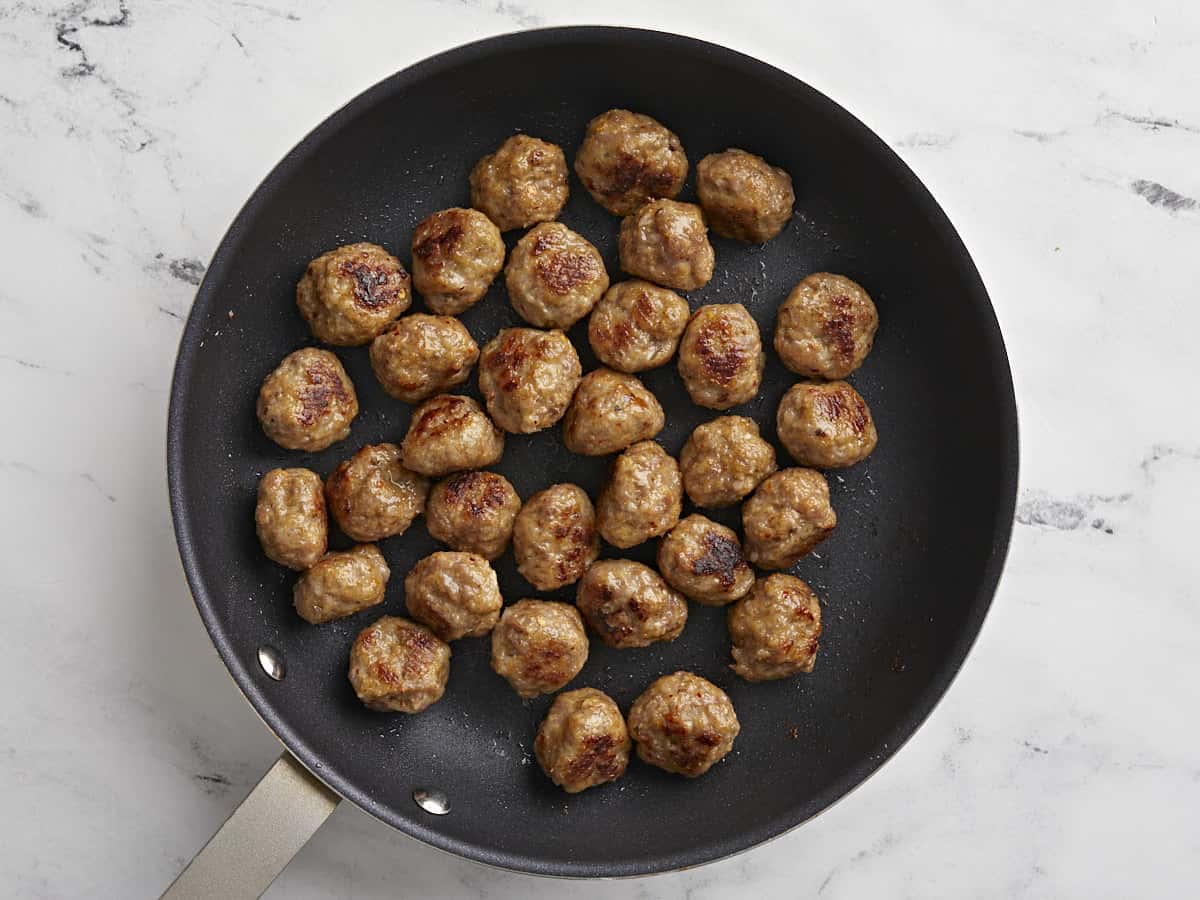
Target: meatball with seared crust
x,y
724,460
554,538
538,646
455,594
457,254
642,498
610,411
422,355
449,433
341,584
583,740
290,517
744,197
349,295
703,560
628,604
721,357
524,182
825,327
372,496
399,666
627,158
666,242
528,377
774,629
473,512
554,276
683,723
636,326
786,517
826,424
308,402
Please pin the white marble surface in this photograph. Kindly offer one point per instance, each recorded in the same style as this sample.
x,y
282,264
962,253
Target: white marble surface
x,y
1062,138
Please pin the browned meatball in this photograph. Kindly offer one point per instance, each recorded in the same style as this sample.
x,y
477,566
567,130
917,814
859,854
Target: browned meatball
x,y
636,326
703,560
449,434
349,295
538,646
372,496
455,594
666,242
627,158
308,402
399,666
628,604
457,254
474,512
683,723
724,460
786,517
721,357
642,497
554,276
583,741
423,355
341,584
528,378
825,327
290,517
744,197
554,538
774,629
522,183
826,424
610,411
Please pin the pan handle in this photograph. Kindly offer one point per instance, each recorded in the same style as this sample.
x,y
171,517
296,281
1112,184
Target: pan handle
x,y
262,835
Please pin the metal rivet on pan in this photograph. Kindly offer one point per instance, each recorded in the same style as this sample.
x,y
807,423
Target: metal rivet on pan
x,y
272,662
434,802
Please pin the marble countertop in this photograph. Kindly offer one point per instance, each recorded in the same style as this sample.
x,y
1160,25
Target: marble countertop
x,y
1061,138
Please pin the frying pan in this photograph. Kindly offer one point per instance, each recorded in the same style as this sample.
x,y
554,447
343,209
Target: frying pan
x,y
905,580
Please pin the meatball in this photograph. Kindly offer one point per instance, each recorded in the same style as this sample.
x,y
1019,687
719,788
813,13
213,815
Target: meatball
x,y
683,723
448,434
627,158
474,512
642,497
399,666
666,242
583,741
308,402
423,355
341,584
636,326
825,424
703,560
554,276
372,496
786,517
455,594
457,254
290,517
610,411
628,604
825,327
744,197
538,646
554,538
524,182
774,629
724,460
528,377
721,357
349,295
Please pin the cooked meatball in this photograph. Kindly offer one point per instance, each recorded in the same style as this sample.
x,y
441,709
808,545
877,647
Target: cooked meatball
x,y
308,402
554,538
636,326
642,497
290,517
341,584
522,183
610,411
724,460
528,377
721,357
628,604
349,295
457,254
583,741
554,276
372,496
683,723
455,594
744,197
786,517
825,424
449,434
538,646
825,327
399,666
774,629
423,355
627,158
666,242
703,560
474,512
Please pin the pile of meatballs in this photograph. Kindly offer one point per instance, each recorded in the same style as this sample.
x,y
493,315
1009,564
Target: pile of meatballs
x,y
531,379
